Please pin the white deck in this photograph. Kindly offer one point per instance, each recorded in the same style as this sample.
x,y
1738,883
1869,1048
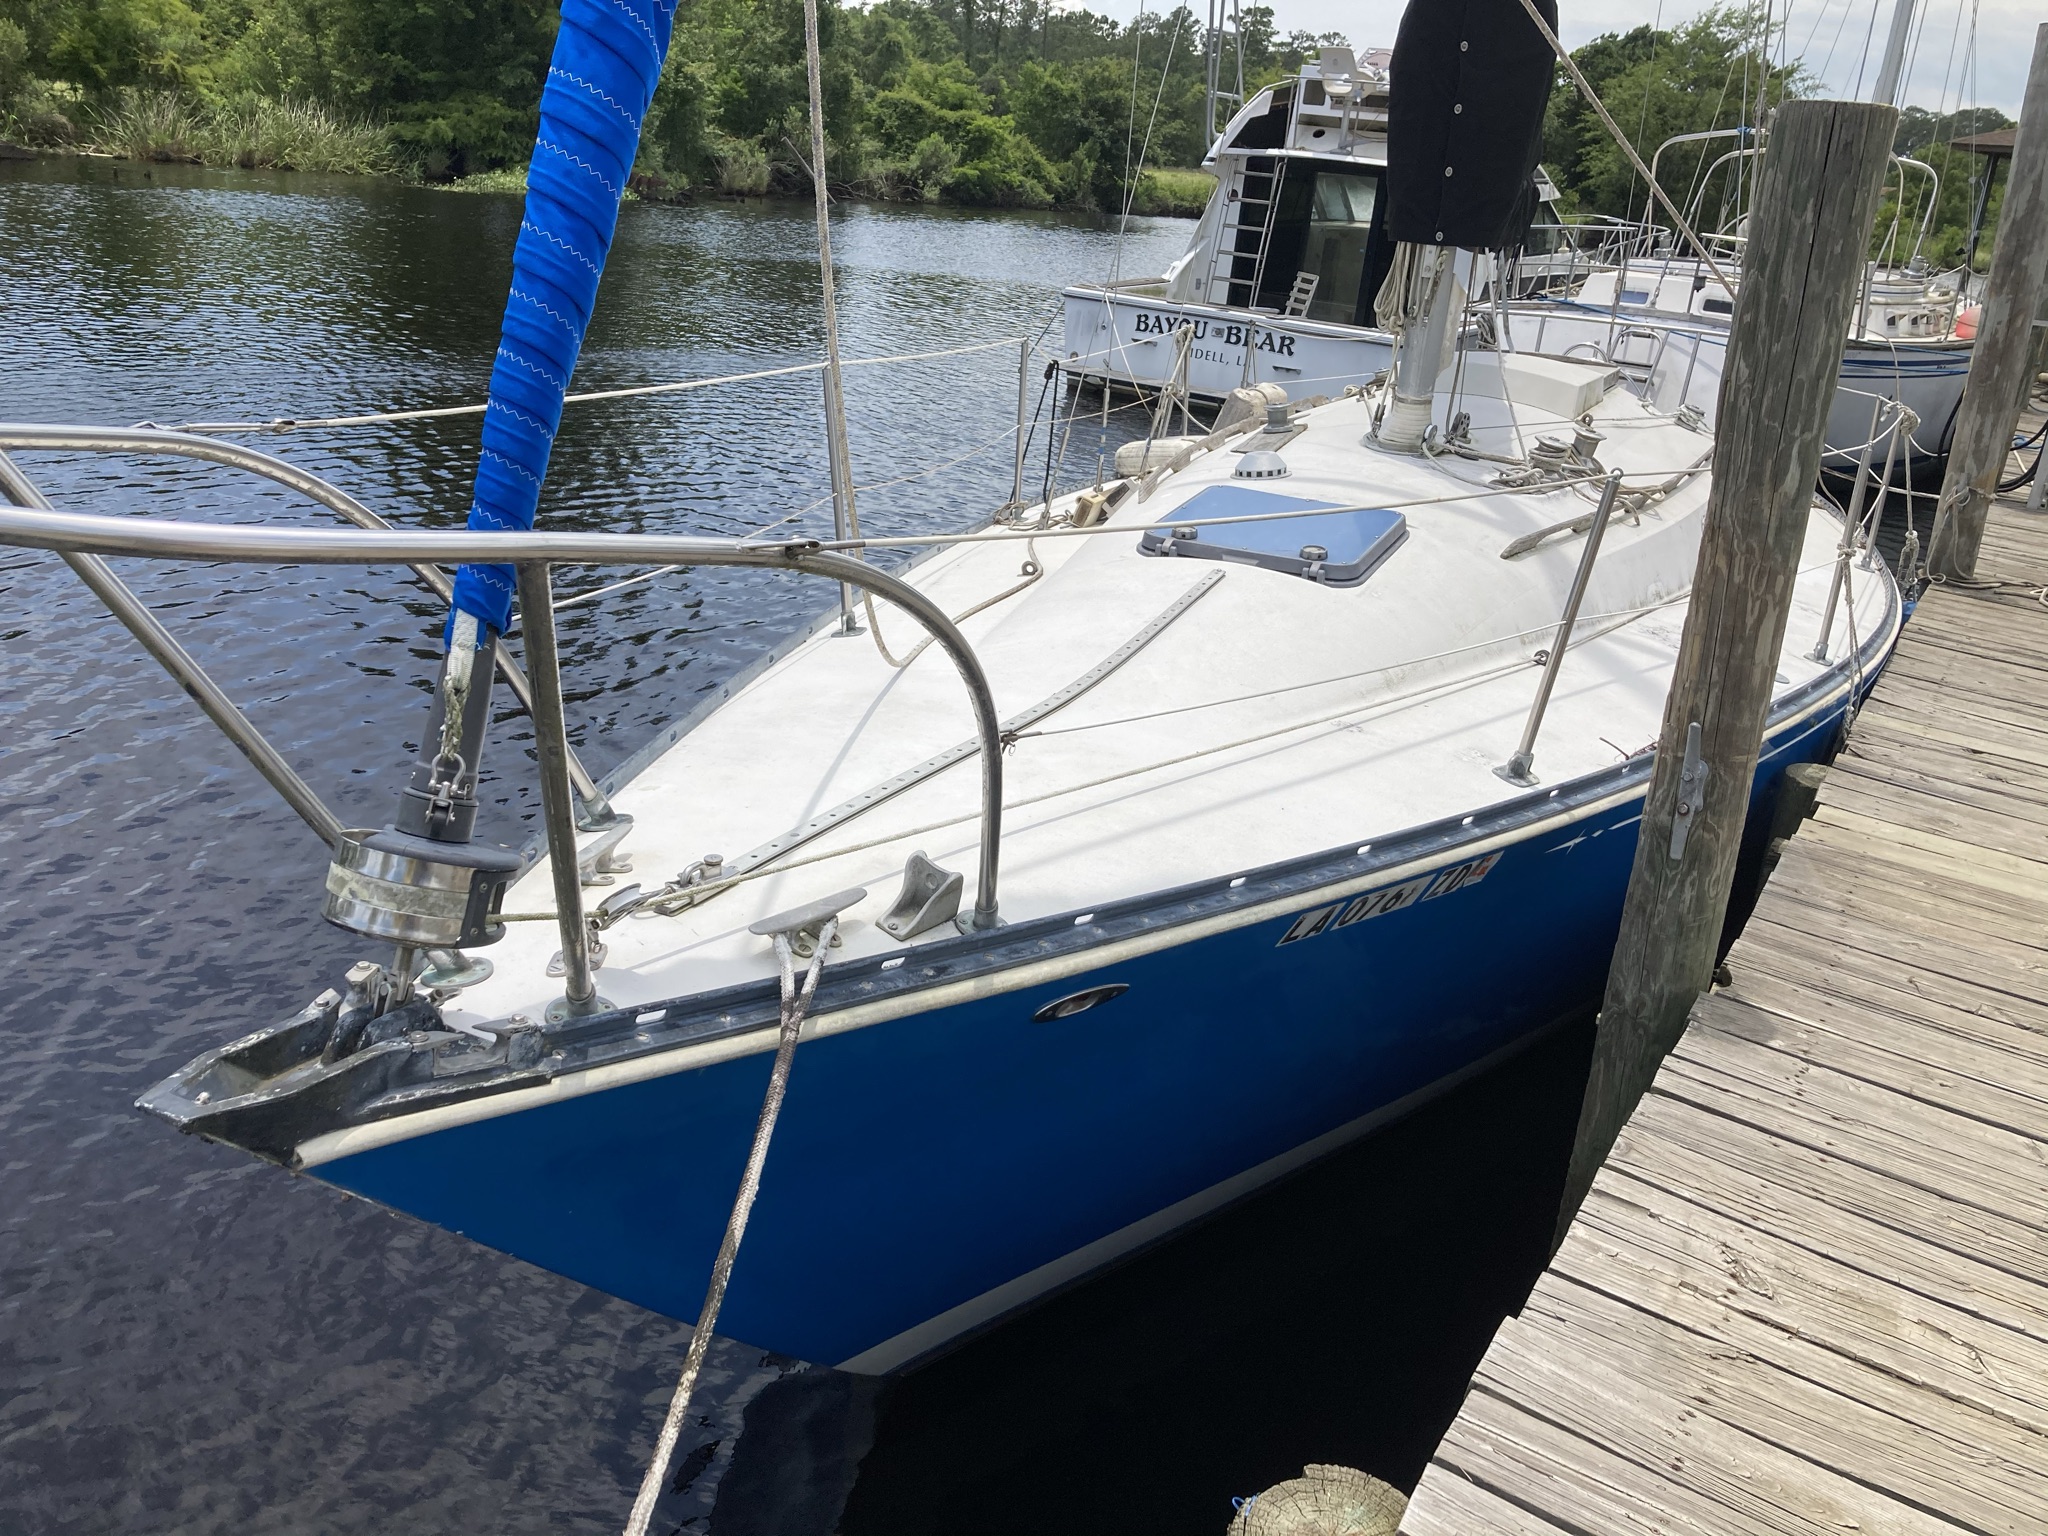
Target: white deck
x,y
1118,799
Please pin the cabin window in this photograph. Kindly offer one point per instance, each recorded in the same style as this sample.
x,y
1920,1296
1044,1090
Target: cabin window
x,y
1325,227
1269,129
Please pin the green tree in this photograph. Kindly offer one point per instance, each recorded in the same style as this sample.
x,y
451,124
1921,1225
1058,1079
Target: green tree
x,y
1713,73
102,45
993,101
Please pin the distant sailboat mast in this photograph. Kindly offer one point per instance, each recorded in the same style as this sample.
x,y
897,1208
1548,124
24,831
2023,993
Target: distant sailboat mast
x,y
1886,91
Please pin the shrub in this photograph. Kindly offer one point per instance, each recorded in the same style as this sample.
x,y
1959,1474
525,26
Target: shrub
x,y
1008,173
463,133
32,110
14,73
739,167
931,166
489,181
1177,194
43,114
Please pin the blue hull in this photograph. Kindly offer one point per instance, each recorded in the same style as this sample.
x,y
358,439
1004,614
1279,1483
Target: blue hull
x,y
934,1170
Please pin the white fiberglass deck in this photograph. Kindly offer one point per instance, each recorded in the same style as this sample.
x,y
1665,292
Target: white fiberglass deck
x,y
1275,717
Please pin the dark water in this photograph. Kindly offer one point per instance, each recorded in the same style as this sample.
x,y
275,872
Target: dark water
x,y
192,1342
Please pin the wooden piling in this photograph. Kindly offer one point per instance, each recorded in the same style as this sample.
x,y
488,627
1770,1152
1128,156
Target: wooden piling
x,y
1808,1293
1999,362
1815,203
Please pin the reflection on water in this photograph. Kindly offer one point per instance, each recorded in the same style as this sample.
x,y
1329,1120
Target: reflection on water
x,y
192,1342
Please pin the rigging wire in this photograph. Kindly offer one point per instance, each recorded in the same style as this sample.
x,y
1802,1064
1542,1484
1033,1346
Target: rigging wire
x,y
1116,255
1643,120
997,535
1847,9
378,418
1813,31
1912,60
1571,67
1863,63
1130,175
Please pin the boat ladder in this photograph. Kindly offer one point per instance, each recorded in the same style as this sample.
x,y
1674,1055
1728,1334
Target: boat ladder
x,y
1241,244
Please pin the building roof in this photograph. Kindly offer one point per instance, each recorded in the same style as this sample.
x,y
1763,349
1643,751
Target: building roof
x,y
1995,145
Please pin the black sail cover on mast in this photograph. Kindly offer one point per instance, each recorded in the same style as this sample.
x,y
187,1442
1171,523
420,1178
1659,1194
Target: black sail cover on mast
x,y
1470,80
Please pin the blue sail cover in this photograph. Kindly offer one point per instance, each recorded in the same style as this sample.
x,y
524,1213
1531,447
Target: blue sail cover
x,y
608,56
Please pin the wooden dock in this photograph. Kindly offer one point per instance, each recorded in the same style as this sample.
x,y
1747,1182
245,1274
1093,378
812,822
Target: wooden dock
x,y
1809,1291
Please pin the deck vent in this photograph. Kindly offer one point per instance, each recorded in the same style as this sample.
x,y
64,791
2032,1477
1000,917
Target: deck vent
x,y
1260,464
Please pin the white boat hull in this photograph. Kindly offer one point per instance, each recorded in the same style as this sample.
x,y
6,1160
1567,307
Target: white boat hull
x,y
1125,337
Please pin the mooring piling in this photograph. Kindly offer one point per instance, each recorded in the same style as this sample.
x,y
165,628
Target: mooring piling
x,y
2000,361
1816,201
1808,1290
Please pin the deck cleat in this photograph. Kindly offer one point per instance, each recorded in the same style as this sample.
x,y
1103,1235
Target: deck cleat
x,y
805,924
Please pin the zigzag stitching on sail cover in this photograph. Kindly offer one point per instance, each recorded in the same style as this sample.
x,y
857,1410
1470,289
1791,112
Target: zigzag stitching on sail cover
x,y
592,88
518,469
653,43
527,225
533,368
518,415
544,308
489,576
579,162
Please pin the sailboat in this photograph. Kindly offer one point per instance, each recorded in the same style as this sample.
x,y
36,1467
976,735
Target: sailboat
x,y
1903,368
1234,810
1908,350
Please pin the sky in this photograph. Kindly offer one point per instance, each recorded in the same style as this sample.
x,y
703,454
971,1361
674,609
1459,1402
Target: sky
x,y
1829,34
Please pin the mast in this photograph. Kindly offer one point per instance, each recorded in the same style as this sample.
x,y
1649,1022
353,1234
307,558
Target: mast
x,y
1223,14
1886,92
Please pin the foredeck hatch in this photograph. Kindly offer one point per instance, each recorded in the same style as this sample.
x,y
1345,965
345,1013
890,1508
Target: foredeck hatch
x,y
1340,548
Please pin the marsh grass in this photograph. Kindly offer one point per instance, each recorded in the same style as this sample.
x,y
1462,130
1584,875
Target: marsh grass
x,y
512,179
296,136
252,132
1181,194
148,125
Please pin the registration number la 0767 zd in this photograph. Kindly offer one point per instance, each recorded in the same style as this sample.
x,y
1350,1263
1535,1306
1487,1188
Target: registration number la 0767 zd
x,y
1391,898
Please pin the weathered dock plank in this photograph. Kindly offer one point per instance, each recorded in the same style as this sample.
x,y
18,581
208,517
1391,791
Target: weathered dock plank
x,y
1808,1292
1743,1150
1931,1466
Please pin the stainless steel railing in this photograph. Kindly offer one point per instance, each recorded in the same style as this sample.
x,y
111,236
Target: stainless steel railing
x,y
114,593
157,442
1517,769
83,538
